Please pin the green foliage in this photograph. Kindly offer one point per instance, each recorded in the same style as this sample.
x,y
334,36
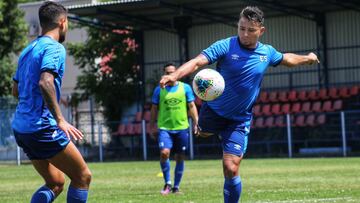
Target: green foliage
x,y
112,81
13,30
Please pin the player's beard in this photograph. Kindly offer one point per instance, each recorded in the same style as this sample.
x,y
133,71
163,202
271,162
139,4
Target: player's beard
x,y
62,37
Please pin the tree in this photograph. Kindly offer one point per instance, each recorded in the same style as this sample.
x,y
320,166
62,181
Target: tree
x,y
109,73
13,32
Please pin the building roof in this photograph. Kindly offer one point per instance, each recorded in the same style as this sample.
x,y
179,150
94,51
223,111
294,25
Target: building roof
x,y
161,14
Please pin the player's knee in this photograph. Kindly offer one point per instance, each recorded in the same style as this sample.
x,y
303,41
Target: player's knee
x,y
230,170
83,179
56,186
86,177
164,154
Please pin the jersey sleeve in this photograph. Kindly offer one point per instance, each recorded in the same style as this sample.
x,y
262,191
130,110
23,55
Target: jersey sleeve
x,y
155,99
189,93
217,50
52,56
275,56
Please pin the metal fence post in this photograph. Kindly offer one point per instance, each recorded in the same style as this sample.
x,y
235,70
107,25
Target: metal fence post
x,y
100,142
288,124
343,132
18,158
143,130
191,144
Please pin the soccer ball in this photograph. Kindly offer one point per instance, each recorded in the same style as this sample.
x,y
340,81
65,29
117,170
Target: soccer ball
x,y
208,84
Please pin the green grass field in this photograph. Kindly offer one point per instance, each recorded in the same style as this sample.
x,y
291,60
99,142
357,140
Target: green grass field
x,y
264,180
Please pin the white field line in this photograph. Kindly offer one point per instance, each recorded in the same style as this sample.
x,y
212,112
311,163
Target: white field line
x,y
345,199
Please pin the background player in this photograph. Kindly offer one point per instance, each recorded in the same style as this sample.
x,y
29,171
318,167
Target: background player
x,y
242,61
170,106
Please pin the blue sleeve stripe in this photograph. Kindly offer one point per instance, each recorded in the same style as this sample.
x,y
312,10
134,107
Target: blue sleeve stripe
x,y
208,57
276,64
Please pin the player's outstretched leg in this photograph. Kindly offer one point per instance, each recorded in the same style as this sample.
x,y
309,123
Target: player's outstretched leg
x,y
73,165
232,185
165,168
54,182
178,172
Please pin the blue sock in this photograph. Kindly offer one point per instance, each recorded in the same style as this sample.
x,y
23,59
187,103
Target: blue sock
x,y
43,195
179,170
232,190
165,167
76,195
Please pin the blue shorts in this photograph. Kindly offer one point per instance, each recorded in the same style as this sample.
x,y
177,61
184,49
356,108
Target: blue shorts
x,y
43,144
176,139
234,134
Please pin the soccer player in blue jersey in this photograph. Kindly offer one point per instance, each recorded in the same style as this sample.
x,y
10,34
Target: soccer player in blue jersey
x,y
39,127
170,107
242,61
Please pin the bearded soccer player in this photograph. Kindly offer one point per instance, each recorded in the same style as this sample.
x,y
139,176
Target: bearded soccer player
x,y
242,60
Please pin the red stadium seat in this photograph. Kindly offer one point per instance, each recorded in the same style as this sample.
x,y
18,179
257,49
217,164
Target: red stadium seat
x,y
280,121
306,107
283,96
295,108
137,129
263,97
316,107
130,129
303,96
300,121
327,106
273,96
120,130
338,105
266,110
269,122
321,119
257,110
259,123
138,116
292,96
334,93
313,95
285,108
147,115
344,92
275,109
310,120
354,90
323,94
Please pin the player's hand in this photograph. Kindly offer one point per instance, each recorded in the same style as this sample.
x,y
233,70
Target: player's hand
x,y
70,130
167,80
196,130
313,59
151,133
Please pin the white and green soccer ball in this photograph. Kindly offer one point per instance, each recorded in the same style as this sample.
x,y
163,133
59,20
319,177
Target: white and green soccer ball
x,y
208,84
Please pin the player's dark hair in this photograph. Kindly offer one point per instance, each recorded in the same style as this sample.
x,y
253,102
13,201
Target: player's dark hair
x,y
49,13
253,13
168,64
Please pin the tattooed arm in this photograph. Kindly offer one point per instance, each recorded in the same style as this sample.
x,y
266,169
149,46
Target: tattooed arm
x,y
47,88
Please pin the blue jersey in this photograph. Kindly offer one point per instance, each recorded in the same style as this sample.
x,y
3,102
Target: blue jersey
x,y
188,93
243,70
42,54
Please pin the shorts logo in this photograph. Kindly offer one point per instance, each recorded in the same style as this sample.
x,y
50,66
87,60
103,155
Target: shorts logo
x,y
183,148
237,147
161,144
55,133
